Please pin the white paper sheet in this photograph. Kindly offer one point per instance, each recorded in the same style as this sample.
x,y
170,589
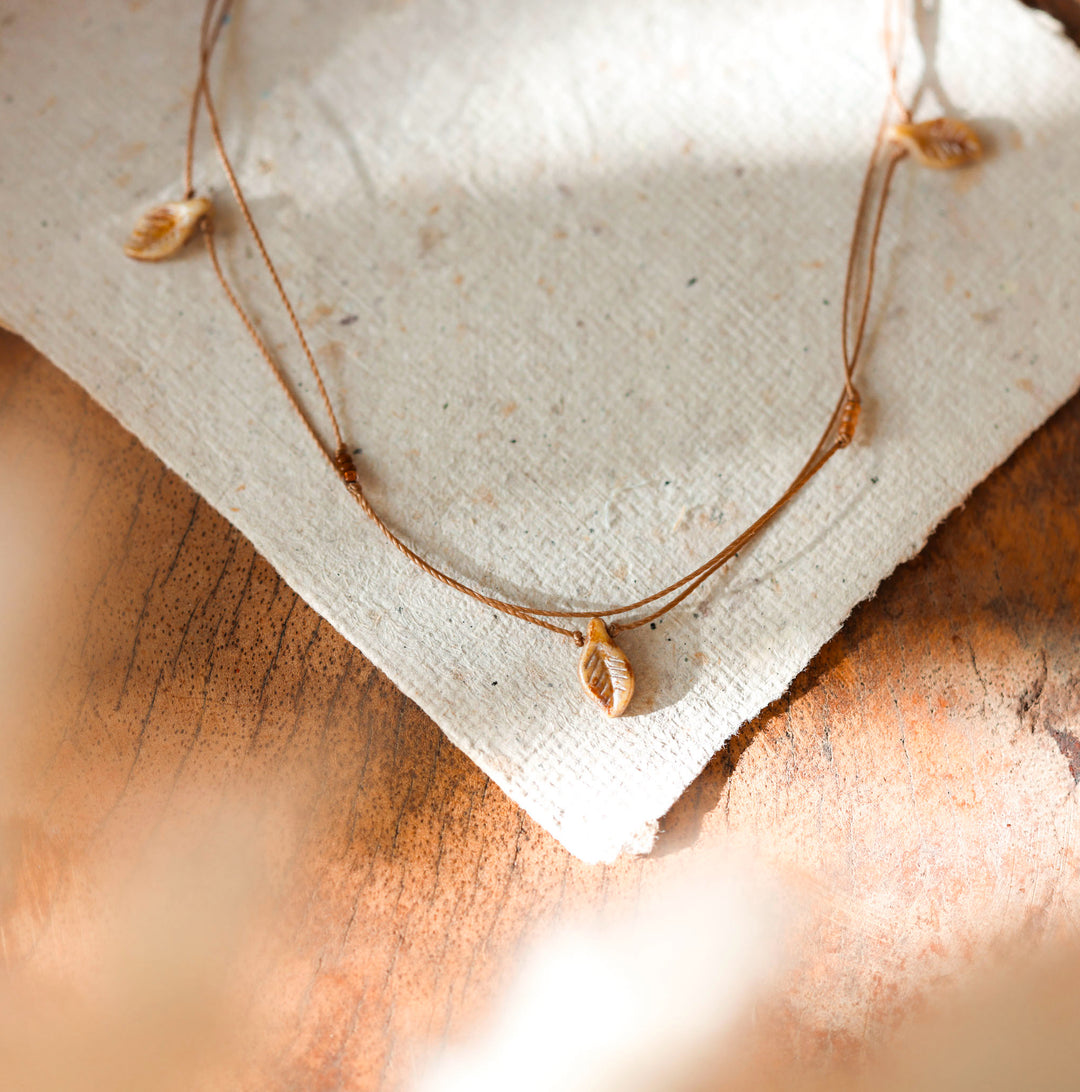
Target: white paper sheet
x,y
573,271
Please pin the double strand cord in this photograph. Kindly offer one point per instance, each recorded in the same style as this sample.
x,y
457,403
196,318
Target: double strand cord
x,y
838,432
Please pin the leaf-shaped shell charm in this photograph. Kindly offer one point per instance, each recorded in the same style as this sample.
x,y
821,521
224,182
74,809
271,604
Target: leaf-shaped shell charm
x,y
941,143
605,671
164,229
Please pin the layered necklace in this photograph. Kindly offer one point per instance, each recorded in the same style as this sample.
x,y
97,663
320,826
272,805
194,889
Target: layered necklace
x,y
605,672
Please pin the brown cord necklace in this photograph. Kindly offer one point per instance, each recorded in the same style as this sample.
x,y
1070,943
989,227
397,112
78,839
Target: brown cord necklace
x,y
604,670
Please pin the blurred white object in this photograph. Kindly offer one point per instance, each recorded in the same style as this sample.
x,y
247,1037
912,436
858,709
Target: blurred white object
x,y
638,1000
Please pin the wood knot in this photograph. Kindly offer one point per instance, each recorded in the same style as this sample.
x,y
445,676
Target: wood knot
x,y
343,461
849,419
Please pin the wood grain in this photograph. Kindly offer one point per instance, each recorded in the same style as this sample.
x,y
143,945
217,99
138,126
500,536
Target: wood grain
x,y
353,892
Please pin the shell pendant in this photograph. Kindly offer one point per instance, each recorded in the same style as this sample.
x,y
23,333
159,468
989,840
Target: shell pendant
x,y
941,143
163,230
605,672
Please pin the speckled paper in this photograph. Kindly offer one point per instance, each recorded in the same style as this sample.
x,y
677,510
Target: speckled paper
x,y
573,272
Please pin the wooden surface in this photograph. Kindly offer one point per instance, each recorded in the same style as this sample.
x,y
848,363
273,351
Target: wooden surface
x,y
228,845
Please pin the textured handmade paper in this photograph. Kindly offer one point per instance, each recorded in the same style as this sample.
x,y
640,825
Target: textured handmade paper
x,y
573,272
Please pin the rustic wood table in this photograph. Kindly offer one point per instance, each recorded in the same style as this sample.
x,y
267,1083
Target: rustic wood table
x,y
214,804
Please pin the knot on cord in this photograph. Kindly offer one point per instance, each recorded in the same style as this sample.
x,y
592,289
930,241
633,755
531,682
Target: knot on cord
x,y
343,461
849,419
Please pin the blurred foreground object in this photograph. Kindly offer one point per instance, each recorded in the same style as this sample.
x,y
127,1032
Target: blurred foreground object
x,y
638,1001
669,1001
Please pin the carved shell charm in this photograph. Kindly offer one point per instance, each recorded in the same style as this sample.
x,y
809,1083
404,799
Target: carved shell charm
x,y
605,671
164,229
942,143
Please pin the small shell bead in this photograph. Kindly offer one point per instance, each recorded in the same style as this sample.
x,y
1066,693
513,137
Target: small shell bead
x,y
163,230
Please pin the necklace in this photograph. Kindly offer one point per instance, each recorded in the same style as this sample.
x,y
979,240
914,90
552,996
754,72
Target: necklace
x,y
604,670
